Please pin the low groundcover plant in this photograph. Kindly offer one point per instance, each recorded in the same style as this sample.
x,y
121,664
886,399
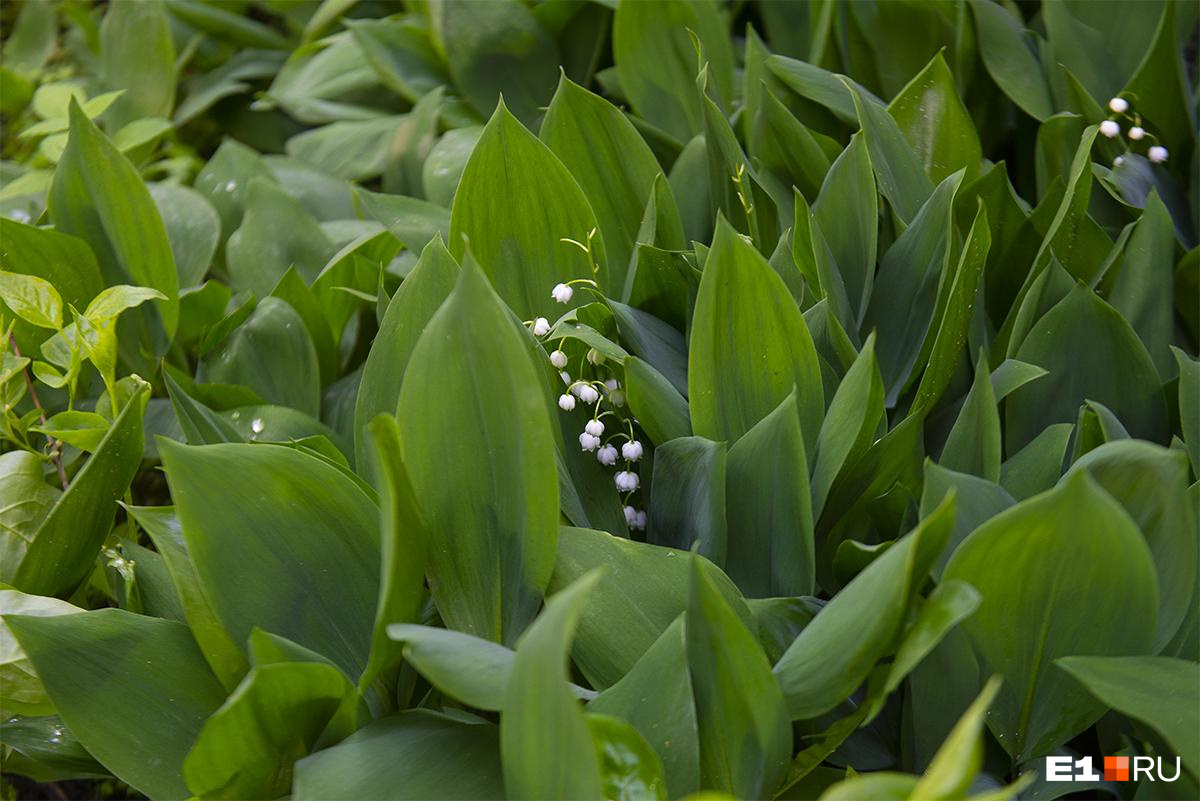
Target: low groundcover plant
x,y
564,399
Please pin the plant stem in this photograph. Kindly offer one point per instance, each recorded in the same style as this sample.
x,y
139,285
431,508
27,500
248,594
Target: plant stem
x,y
55,445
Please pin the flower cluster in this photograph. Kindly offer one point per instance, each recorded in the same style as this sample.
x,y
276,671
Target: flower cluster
x,y
620,448
1135,132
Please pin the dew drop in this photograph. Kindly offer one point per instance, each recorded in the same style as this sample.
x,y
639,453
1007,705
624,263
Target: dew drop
x,y
256,425
230,185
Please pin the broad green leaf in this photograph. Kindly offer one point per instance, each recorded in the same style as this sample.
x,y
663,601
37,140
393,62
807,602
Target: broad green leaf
x,y
65,261
414,222
750,347
905,297
1010,59
225,182
496,49
1065,573
200,424
292,289
662,710
138,56
193,229
612,163
835,653
98,196
545,746
769,550
33,299
850,424
644,588
657,342
273,516
223,655
1142,288
657,61
276,233
936,123
469,669
419,296
56,557
514,206
957,762
1160,83
413,756
403,548
32,38
471,398
21,691
42,749
629,768
847,211
127,686
660,410
977,500
402,52
111,302
356,150
246,749
326,81
1091,353
83,430
1189,405
1151,483
950,333
744,731
973,444
818,85
443,168
687,498
251,358
1038,466
898,169
1156,690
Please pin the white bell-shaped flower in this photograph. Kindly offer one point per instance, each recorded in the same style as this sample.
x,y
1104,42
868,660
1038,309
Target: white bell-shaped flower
x,y
541,327
558,359
607,455
632,450
587,393
566,402
1118,105
594,427
1158,154
594,356
1110,128
562,293
1118,161
639,522
630,516
627,481
588,442
1136,133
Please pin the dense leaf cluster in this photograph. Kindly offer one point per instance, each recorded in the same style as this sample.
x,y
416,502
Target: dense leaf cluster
x,y
564,399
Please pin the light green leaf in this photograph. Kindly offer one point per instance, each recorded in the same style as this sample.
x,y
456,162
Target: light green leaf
x,y
898,169
545,744
1010,60
246,749
496,49
138,56
471,398
657,61
750,347
835,653
98,196
687,500
127,686
413,756
936,124
769,551
33,299
1156,690
612,163
515,204
630,770
744,731
276,233
1064,573
847,213
21,691
193,228
258,515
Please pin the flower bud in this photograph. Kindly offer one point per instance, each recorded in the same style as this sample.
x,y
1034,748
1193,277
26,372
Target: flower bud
x,y
1110,128
1158,154
594,356
1136,133
562,293
558,359
1118,105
